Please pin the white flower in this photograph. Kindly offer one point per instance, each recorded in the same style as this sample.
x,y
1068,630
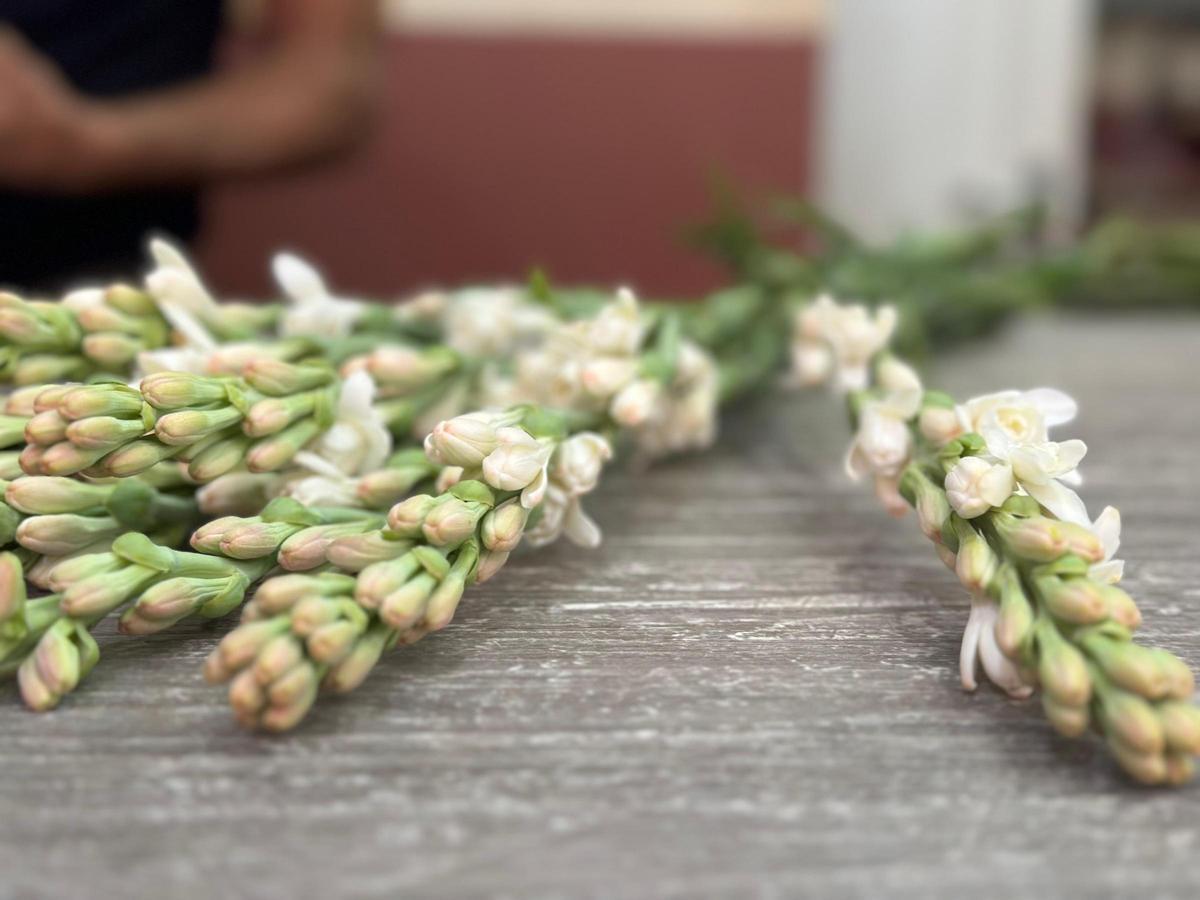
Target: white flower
x,y
562,514
324,490
812,363
358,441
636,402
883,442
618,329
1014,425
1107,528
939,425
975,485
578,462
979,646
180,295
313,310
492,322
852,333
82,299
519,463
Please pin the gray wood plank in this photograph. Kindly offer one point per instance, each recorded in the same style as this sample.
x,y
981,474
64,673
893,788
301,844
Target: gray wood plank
x,y
750,689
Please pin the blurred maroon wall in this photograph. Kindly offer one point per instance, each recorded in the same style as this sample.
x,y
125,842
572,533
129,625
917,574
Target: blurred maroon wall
x,y
588,157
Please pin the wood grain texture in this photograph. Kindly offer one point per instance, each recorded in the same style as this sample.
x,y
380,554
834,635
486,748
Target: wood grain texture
x,y
749,690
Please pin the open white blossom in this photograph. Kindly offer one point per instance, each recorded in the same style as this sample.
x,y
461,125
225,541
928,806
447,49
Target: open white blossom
x,y
493,322
1014,426
358,441
574,471
979,647
976,485
883,442
851,335
313,310
1107,528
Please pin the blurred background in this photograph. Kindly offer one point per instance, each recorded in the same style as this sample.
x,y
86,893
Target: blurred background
x,y
585,136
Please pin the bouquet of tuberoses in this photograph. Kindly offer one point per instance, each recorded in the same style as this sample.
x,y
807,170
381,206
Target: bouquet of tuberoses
x,y
342,472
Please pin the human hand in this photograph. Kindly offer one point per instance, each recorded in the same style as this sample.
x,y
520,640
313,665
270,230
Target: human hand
x,y
45,141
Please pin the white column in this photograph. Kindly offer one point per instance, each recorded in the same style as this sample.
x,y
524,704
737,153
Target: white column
x,y
934,113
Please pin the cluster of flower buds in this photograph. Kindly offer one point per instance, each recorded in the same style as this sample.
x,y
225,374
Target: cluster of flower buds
x,y
991,492
160,586
258,421
61,518
507,475
88,332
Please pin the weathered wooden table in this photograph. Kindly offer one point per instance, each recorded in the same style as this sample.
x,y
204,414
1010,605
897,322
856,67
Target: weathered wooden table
x,y
751,689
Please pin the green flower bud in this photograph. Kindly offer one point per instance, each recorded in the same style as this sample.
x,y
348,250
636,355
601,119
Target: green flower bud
x,y
311,613
12,587
21,402
277,657
406,518
246,695
452,521
1036,538
46,368
405,605
353,670
309,548
1180,768
490,562
104,432
503,526
58,535
272,453
1146,767
181,390
75,569
1121,607
101,400
1181,726
1069,721
187,426
1083,542
277,378
1072,599
976,563
20,324
239,648
1061,668
1131,720
134,458
332,643
64,458
207,538
30,459
381,579
1128,665
1014,626
10,465
102,317
1181,682
281,593
274,414
100,594
291,698
131,301
382,489
112,351
34,691
41,495
46,428
256,539
57,659
445,598
171,599
357,551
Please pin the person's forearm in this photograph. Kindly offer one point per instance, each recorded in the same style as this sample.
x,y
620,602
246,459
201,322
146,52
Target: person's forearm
x,y
285,110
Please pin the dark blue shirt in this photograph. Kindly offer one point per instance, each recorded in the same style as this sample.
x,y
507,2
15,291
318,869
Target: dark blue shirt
x,y
106,48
